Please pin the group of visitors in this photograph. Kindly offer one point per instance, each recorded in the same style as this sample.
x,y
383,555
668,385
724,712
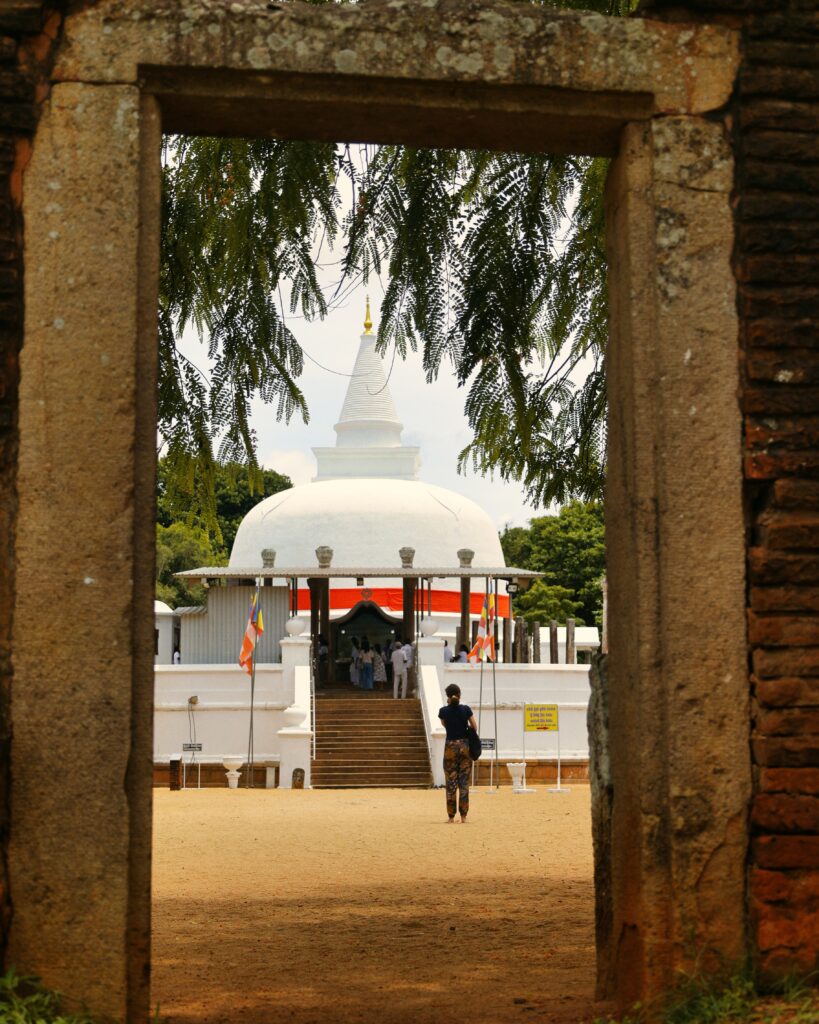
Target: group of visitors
x,y
370,665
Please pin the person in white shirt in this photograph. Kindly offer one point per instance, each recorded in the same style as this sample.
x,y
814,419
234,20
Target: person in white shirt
x,y
447,653
399,671
408,653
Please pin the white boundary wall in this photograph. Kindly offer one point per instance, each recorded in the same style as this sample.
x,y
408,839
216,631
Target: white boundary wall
x,y
564,685
281,719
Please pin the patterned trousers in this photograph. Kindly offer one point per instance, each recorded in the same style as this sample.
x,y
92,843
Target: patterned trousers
x,y
457,766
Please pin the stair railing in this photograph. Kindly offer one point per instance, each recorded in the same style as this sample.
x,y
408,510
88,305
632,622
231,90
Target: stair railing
x,y
313,708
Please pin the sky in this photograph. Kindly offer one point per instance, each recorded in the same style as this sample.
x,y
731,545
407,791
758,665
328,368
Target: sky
x,y
432,414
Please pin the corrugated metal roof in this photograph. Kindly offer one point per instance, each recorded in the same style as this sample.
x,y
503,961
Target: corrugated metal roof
x,y
191,609
314,572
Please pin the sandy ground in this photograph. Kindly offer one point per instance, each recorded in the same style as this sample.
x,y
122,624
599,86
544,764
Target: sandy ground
x,y
321,906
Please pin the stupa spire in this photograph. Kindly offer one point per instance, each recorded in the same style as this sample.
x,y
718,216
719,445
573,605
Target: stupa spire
x,y
368,324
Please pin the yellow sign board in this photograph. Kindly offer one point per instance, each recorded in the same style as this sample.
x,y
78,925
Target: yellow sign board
x,y
540,717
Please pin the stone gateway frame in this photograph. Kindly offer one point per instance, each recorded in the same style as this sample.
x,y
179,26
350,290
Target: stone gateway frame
x,y
674,779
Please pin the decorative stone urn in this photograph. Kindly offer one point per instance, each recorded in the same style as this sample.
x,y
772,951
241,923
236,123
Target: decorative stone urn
x,y
324,556
233,767
293,716
406,555
295,626
465,556
517,769
269,558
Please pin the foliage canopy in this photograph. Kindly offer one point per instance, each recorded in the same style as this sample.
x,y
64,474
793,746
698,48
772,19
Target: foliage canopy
x,y
493,262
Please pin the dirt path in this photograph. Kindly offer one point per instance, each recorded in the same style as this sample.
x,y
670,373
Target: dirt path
x,y
364,906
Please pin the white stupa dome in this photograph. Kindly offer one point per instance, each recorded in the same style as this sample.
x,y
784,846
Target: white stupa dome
x,y
365,521
366,501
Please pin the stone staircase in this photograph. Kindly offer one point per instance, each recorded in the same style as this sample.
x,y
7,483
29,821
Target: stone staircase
x,y
376,743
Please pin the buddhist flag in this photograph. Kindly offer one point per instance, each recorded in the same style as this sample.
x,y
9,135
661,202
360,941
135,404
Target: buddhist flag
x,y
255,628
484,648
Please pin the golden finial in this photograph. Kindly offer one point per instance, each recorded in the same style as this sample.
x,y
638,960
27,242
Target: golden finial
x,y
368,324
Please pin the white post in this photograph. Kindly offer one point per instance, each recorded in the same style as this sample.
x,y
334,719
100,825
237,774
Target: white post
x,y
558,788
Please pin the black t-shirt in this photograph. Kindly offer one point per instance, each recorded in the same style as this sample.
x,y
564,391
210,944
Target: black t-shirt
x,y
455,717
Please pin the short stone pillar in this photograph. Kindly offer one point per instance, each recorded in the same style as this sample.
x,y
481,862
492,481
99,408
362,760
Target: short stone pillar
x,y
406,555
268,558
296,735
324,556
430,691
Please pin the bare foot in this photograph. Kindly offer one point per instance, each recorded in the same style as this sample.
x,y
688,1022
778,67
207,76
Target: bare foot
x,y
450,821
463,819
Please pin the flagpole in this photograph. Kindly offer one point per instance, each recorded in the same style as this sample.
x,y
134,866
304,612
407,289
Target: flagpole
x,y
494,683
249,781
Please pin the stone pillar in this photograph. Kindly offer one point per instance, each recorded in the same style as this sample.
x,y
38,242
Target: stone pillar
x,y
80,847
675,560
465,556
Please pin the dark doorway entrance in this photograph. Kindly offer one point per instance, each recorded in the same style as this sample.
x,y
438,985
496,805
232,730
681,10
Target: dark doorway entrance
x,y
366,619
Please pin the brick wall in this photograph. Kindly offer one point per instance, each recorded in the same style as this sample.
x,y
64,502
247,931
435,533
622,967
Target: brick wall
x,y
775,125
19,21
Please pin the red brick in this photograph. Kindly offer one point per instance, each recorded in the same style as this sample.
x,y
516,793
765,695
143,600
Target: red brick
x,y
789,432
796,303
797,493
789,692
784,366
786,852
797,887
784,599
790,780
788,82
786,751
783,812
788,722
770,332
768,466
774,928
771,399
766,567
783,630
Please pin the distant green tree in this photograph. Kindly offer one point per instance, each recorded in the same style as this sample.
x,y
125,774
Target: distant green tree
x,y
543,602
180,546
232,491
569,549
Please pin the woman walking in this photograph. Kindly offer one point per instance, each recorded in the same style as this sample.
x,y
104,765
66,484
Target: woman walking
x,y
457,763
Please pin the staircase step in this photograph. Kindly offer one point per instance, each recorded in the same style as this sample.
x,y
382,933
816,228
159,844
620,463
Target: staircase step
x,y
367,744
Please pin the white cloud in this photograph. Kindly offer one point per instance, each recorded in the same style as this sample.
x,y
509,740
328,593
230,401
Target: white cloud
x,y
298,465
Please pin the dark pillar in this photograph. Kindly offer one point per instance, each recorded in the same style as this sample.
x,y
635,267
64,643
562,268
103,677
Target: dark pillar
x,y
408,606
315,600
465,556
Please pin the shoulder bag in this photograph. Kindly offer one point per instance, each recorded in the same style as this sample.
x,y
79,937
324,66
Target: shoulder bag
x,y
474,741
